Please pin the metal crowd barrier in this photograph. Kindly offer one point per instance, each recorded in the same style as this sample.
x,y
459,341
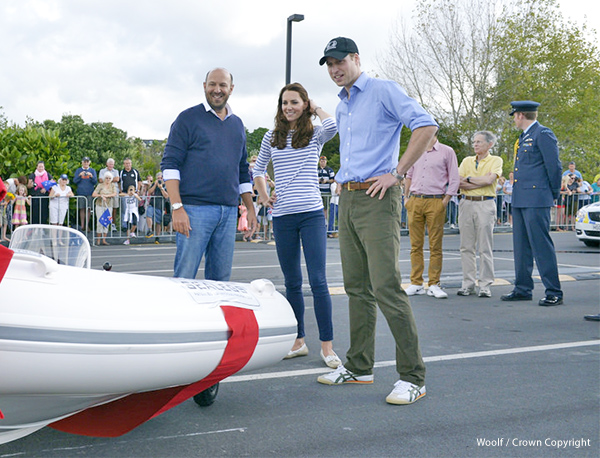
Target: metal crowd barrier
x,y
562,217
38,213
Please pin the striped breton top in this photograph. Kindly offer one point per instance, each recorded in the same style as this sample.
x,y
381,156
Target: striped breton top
x,y
296,177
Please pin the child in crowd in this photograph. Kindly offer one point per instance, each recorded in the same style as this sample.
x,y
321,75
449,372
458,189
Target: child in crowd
x,y
131,217
8,199
142,205
243,220
20,206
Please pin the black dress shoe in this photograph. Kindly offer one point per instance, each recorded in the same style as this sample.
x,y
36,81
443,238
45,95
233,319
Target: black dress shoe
x,y
549,301
512,296
592,317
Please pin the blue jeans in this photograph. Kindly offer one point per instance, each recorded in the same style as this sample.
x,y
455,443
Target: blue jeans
x,y
155,215
333,215
452,212
290,231
213,234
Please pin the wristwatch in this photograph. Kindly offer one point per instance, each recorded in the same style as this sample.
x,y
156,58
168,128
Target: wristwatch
x,y
468,179
395,174
176,206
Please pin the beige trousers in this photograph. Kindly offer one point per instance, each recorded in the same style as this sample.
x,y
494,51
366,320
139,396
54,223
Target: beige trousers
x,y
476,225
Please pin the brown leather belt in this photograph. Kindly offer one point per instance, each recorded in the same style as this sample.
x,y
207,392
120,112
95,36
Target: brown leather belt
x,y
358,185
478,198
428,196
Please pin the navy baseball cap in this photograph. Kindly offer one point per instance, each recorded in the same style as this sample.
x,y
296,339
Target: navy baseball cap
x,y
523,105
338,48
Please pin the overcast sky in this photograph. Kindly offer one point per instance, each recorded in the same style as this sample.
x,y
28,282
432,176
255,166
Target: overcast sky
x,y
138,64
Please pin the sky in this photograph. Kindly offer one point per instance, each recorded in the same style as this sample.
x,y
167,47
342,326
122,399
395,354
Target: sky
x,y
138,64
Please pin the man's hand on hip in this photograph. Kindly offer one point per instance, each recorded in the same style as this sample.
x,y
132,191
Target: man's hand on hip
x,y
381,184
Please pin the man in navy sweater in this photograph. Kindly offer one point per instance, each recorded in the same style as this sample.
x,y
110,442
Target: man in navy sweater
x,y
205,169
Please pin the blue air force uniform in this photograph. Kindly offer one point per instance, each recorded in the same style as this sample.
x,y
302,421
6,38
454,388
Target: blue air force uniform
x,y
537,175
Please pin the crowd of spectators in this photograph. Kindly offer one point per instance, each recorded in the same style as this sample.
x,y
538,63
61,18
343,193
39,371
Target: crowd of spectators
x,y
110,203
42,199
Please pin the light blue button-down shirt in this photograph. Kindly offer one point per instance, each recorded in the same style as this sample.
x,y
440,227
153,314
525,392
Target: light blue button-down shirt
x,y
369,124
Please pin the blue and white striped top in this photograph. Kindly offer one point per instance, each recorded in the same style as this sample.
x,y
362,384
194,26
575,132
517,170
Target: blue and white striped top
x,y
296,178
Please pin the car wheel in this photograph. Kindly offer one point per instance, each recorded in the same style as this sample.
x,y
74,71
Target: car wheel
x,y
208,396
592,243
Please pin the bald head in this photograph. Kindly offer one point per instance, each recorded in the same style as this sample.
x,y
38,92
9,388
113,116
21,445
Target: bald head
x,y
219,69
217,88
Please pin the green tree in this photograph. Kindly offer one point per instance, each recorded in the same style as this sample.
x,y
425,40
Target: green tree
x,y
3,120
541,57
254,139
22,147
331,150
466,60
146,155
98,140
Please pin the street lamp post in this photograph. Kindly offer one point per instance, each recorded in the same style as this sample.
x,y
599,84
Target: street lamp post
x,y
288,56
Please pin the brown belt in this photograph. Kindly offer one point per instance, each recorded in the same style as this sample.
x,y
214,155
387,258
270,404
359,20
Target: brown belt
x,y
428,196
479,198
358,185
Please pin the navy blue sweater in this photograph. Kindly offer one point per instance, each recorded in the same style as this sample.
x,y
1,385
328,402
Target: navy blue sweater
x,y
210,155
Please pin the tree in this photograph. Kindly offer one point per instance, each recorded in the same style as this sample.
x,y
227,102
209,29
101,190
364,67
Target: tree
x,y
22,147
146,154
466,61
542,58
254,139
98,140
444,59
331,150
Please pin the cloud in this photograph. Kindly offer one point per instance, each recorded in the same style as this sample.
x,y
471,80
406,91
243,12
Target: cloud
x,y
138,64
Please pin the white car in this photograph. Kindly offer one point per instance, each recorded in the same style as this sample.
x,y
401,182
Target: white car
x,y
587,224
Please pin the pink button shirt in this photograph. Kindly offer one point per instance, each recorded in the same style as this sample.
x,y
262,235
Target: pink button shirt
x,y
435,173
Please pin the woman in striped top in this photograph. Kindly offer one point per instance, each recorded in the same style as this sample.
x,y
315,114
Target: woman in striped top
x,y
294,146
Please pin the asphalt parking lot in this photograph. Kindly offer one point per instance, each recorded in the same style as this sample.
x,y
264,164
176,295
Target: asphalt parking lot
x,y
503,379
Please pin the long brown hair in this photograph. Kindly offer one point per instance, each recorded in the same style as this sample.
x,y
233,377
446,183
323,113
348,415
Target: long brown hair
x,y
304,126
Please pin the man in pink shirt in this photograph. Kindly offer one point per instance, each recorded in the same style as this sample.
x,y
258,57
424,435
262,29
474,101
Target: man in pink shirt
x,y
429,185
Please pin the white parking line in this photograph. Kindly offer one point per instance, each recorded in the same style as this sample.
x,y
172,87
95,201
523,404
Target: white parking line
x,y
145,439
429,359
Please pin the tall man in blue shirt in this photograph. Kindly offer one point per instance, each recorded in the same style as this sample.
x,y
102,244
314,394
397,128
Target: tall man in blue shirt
x,y
205,169
370,116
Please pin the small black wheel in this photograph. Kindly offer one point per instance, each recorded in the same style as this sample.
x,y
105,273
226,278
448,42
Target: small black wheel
x,y
208,396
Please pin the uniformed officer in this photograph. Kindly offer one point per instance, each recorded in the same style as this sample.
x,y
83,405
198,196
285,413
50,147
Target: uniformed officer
x,y
537,184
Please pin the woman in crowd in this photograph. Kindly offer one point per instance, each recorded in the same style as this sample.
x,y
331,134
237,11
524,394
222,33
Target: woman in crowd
x,y
561,205
294,146
571,200
59,200
104,195
584,193
39,194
